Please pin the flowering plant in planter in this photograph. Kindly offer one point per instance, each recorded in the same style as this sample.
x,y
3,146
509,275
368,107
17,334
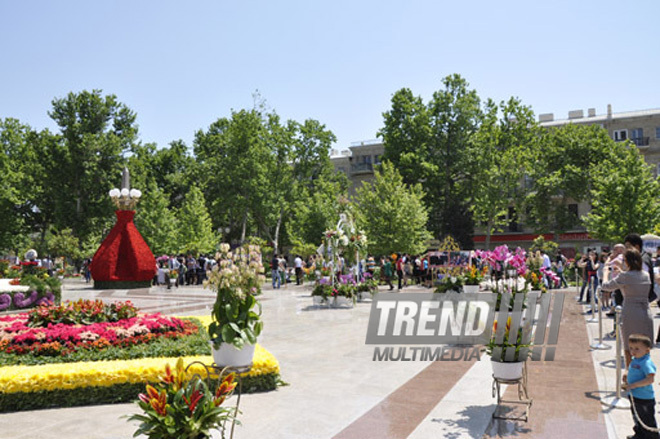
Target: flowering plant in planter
x,y
324,290
534,281
345,290
176,408
550,275
237,280
472,276
368,284
449,283
522,343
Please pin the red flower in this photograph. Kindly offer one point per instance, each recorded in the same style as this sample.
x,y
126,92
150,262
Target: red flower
x,y
194,399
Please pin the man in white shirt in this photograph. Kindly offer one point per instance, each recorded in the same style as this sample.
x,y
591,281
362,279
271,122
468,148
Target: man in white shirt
x,y
298,263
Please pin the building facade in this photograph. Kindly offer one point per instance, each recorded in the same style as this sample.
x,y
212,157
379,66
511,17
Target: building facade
x,y
640,127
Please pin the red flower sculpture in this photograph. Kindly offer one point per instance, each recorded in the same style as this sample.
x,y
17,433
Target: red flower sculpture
x,y
123,255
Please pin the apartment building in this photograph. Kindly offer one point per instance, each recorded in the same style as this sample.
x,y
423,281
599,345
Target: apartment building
x,y
358,161
641,127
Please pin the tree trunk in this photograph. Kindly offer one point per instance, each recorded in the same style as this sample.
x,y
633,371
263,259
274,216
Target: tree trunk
x,y
489,227
276,239
244,227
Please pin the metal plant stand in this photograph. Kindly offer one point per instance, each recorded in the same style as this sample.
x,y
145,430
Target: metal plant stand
x,y
215,372
523,397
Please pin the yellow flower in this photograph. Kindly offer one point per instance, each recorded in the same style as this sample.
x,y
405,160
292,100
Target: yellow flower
x,y
107,373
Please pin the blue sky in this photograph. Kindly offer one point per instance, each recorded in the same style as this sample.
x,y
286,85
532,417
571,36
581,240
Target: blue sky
x,y
181,65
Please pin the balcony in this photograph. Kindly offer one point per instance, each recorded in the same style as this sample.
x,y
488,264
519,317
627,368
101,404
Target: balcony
x,y
362,168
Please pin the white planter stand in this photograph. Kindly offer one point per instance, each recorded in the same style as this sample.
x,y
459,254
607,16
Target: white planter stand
x,y
510,374
470,288
228,355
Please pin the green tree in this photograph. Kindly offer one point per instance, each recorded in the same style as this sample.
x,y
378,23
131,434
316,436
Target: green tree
x,y
429,144
392,213
565,165
256,168
63,243
172,169
498,153
234,160
302,173
22,181
157,223
315,212
624,196
83,162
196,233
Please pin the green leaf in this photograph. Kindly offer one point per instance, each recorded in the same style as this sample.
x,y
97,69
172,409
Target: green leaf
x,y
228,334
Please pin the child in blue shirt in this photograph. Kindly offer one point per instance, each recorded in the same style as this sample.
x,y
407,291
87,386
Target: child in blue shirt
x,y
641,373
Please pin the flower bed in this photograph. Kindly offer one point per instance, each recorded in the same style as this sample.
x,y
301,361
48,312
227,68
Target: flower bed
x,y
32,385
103,382
61,330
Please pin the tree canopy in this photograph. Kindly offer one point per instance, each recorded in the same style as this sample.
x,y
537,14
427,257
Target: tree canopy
x,y
392,213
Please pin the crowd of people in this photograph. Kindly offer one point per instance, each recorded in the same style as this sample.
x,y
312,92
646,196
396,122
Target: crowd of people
x,y
182,270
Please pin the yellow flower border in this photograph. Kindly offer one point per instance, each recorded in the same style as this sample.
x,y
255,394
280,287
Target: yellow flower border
x,y
14,379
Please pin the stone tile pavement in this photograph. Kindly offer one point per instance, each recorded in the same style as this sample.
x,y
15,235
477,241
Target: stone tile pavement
x,y
336,391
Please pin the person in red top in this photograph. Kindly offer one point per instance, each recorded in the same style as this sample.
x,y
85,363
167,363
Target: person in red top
x,y
400,262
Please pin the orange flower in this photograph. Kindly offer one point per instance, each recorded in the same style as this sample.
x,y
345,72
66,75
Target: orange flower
x,y
225,388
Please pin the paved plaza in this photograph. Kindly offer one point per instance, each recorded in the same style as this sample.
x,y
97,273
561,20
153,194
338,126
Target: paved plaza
x,y
336,391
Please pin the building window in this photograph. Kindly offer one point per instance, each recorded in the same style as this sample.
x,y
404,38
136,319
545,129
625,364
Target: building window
x,y
657,132
620,135
377,160
637,133
573,211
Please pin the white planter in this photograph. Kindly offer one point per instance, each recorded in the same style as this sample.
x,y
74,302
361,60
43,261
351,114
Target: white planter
x,y
507,371
228,355
362,295
341,301
470,288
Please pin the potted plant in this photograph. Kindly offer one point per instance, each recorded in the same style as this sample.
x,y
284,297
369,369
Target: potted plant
x,y
345,294
505,367
534,281
471,279
176,408
236,317
322,293
368,287
449,283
